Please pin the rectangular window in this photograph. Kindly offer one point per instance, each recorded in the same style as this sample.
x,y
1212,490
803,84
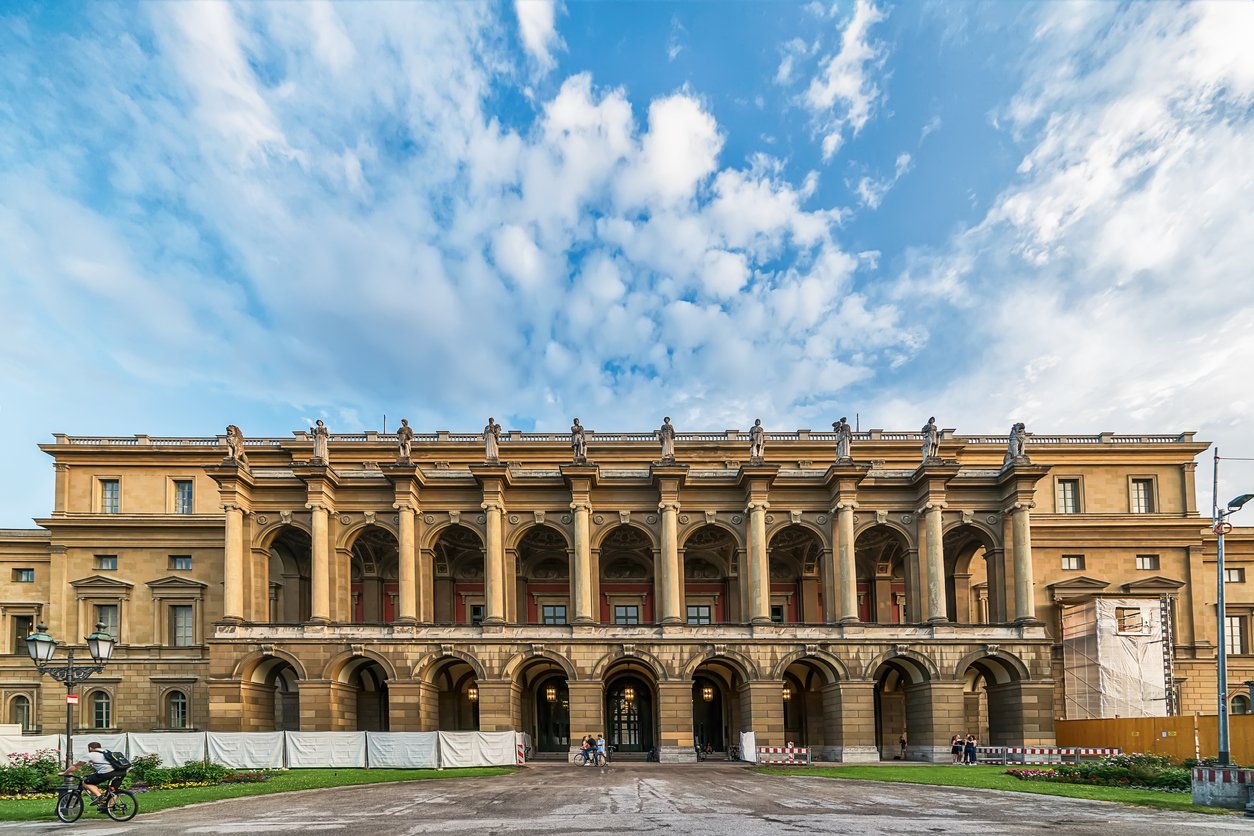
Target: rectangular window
x,y
626,614
183,496
1129,621
181,625
699,614
553,614
107,614
1068,496
101,713
777,613
23,575
476,614
1234,633
1142,496
106,562
110,496
180,562
1147,561
1073,562
1234,575
23,626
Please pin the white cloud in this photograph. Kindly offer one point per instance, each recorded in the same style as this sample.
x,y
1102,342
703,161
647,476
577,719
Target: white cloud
x,y
679,151
1107,284
844,94
537,26
871,191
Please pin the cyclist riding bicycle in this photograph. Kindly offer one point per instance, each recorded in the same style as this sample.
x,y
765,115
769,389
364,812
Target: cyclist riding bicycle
x,y
108,766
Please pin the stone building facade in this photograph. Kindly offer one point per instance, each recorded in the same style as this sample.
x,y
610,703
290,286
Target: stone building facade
x,y
666,602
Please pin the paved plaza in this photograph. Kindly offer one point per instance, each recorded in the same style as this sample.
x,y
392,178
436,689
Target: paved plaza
x,y
647,798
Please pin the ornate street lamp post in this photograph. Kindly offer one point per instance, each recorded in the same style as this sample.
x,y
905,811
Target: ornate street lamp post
x,y
42,646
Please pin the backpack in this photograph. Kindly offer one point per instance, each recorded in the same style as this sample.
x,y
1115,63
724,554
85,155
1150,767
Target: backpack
x,y
117,760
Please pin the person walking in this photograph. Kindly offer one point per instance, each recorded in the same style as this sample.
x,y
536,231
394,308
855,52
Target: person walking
x,y
902,742
602,754
969,753
956,747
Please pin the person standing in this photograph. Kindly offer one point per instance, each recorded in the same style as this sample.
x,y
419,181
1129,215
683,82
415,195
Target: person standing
x,y
902,743
602,757
969,753
956,748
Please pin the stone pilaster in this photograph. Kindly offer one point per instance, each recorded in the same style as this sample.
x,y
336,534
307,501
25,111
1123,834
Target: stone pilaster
x,y
669,478
320,484
854,721
496,706
762,711
1018,484
587,711
235,491
675,723
493,478
937,606
935,711
406,484
581,479
840,582
405,699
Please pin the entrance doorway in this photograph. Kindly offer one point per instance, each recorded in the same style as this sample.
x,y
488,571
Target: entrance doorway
x,y
553,715
707,714
629,714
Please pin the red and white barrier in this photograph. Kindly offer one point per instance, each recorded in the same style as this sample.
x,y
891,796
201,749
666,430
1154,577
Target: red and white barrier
x,y
522,753
1043,754
784,755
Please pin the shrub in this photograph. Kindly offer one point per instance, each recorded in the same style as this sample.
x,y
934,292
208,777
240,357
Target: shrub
x,y
30,772
201,771
141,766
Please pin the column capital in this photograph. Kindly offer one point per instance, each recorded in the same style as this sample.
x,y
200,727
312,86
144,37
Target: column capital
x,y
756,506
585,507
234,506
673,507
931,506
1027,505
843,506
317,506
489,506
406,506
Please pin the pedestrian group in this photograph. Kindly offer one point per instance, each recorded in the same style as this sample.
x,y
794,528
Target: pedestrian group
x,y
963,750
592,751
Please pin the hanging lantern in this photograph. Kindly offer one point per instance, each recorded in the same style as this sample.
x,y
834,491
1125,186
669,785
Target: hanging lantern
x,y
787,693
629,693
707,693
472,693
550,693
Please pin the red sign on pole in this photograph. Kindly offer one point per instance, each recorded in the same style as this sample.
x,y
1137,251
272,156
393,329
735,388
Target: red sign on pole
x,y
71,699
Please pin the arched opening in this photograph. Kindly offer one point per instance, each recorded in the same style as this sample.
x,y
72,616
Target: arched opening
x,y
459,576
715,705
631,708
278,700
291,555
544,576
902,709
811,701
100,706
993,701
458,695
373,570
627,577
176,716
711,591
967,551
20,712
880,555
1240,704
369,682
546,705
795,554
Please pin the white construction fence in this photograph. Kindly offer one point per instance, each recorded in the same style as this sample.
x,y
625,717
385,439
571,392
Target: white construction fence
x,y
299,750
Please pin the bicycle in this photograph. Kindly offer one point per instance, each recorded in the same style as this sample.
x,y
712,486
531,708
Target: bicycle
x,y
119,805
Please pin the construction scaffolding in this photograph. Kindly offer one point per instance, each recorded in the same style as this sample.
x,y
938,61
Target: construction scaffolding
x,y
1117,658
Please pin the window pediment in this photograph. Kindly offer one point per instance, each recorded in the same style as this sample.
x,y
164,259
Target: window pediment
x,y
100,583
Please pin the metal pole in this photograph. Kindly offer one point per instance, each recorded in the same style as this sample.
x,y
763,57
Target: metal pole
x,y
1221,612
69,713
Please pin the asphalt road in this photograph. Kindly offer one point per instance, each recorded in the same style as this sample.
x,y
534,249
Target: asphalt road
x,y
646,798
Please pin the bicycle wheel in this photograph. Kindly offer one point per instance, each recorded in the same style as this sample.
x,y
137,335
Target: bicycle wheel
x,y
124,806
69,806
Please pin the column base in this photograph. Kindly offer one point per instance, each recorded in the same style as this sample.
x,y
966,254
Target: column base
x,y
493,622
1029,621
320,620
859,754
673,620
760,620
406,621
850,619
939,619
676,754
585,621
232,619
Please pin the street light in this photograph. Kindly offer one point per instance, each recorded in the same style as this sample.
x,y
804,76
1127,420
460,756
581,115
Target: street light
x,y
42,647
1221,527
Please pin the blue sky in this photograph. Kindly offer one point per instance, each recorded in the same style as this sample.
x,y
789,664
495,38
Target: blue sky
x,y
266,213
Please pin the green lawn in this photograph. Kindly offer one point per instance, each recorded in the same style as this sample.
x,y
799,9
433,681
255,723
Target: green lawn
x,y
295,779
994,778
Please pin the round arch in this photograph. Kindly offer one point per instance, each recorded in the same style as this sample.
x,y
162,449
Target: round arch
x,y
353,532
516,537
687,532
341,667
264,538
520,660
834,668
775,528
999,667
427,666
921,668
897,528
246,669
599,538
432,533
989,538
737,661
612,659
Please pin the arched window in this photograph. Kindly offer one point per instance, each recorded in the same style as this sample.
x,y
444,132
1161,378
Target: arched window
x,y
101,711
176,709
1240,704
19,712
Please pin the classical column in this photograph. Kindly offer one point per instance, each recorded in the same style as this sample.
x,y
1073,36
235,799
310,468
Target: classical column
x,y
672,594
936,609
407,569
582,570
233,568
494,568
845,561
320,569
759,565
1025,605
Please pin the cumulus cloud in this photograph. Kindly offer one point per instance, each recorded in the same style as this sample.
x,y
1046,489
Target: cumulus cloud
x,y
537,27
844,94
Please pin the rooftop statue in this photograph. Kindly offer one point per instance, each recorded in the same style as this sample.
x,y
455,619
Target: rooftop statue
x,y
321,437
666,434
579,443
844,440
492,442
931,440
404,441
757,442
235,446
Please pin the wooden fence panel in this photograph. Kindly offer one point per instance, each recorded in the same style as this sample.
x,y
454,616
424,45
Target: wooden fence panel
x,y
1174,736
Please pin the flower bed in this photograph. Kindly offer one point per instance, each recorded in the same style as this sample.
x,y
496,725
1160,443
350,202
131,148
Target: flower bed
x,y
36,775
1133,771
